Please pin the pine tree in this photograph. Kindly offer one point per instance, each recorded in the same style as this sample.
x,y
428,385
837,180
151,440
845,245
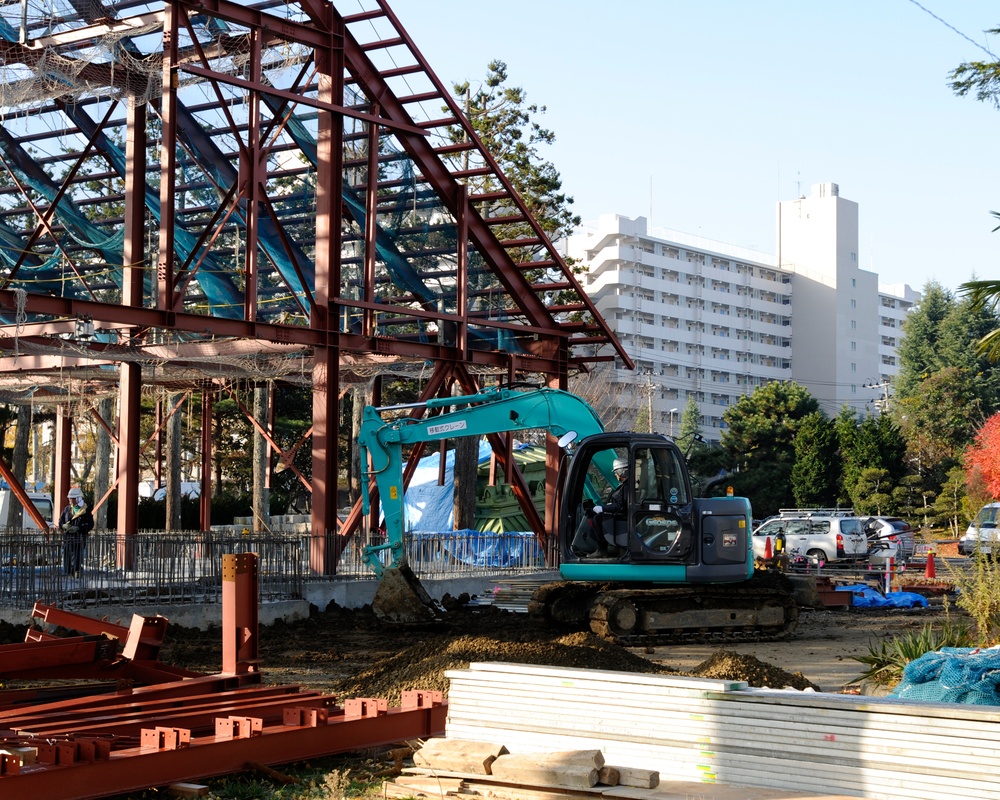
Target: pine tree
x,y
815,474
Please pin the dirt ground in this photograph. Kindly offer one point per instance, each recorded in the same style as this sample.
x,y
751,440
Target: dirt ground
x,y
348,653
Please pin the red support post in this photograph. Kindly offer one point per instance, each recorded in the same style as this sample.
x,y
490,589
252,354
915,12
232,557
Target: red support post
x,y
240,647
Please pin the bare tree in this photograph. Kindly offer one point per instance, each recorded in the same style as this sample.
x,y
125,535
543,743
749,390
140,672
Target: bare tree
x,y
19,463
616,403
102,463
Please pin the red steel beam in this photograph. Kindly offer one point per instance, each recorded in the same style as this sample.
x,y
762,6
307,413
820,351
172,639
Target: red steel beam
x,y
172,755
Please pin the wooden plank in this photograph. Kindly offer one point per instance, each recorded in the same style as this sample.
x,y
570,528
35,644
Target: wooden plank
x,y
535,770
640,778
187,790
430,783
458,755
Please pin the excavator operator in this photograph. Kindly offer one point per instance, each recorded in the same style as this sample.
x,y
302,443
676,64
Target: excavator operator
x,y
595,536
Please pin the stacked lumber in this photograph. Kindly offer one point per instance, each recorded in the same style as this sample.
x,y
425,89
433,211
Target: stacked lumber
x,y
689,729
462,768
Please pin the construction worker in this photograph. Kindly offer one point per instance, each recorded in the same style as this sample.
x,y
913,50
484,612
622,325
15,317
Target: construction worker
x,y
75,522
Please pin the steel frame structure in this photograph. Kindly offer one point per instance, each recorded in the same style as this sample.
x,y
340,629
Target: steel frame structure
x,y
199,191
144,723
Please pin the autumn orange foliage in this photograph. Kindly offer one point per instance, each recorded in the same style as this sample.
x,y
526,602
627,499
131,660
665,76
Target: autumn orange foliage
x,y
984,455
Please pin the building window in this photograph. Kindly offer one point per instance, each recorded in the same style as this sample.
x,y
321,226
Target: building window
x,y
854,345
854,303
854,367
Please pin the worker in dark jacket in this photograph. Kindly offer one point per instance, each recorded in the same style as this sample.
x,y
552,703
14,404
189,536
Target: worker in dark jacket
x,y
75,522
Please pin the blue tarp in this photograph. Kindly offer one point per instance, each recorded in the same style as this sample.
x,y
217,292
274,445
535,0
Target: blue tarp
x,y
867,597
952,675
476,548
430,507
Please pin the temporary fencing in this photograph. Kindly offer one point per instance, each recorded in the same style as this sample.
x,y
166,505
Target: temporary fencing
x,y
156,567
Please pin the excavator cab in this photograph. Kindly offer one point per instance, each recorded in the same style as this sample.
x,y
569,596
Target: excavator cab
x,y
647,526
639,514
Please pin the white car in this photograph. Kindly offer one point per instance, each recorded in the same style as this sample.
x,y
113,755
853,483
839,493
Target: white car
x,y
982,535
821,536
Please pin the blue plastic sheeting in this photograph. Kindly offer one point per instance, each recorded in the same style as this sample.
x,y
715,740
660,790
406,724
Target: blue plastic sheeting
x,y
953,675
430,507
867,597
475,548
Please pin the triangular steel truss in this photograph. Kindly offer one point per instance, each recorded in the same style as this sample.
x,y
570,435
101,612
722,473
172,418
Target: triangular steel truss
x,y
262,190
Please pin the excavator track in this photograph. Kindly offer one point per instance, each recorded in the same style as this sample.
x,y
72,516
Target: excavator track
x,y
762,609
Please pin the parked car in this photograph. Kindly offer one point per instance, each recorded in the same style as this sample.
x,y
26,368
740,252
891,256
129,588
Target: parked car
x,y
824,535
982,535
885,531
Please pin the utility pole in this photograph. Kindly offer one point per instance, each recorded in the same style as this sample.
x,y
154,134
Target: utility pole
x,y
882,403
649,399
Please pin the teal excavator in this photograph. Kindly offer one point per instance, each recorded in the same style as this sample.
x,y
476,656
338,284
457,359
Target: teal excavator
x,y
642,561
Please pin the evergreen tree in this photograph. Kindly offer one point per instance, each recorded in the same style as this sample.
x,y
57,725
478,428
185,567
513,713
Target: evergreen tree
x,y
815,474
759,442
948,509
875,443
846,426
939,422
872,492
508,126
959,335
689,433
919,354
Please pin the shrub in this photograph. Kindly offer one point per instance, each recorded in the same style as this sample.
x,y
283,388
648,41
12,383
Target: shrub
x,y
979,595
886,660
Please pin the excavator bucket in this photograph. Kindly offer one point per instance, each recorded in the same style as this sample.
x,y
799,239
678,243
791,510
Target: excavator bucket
x,y
402,600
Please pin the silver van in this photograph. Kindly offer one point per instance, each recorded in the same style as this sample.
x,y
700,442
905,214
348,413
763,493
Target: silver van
x,y
823,535
982,535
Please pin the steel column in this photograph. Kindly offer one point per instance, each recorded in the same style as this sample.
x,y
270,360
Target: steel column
x,y
205,506
240,647
130,387
168,157
325,317
62,460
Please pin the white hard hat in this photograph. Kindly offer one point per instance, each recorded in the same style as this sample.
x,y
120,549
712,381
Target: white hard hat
x,y
620,463
74,493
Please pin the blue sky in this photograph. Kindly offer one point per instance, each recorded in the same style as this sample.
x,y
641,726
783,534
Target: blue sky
x,y
703,114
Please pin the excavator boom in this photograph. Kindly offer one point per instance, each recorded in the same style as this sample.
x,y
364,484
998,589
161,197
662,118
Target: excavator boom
x,y
400,598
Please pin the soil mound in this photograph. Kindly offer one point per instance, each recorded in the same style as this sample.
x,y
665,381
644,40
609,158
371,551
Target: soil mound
x,y
423,665
726,665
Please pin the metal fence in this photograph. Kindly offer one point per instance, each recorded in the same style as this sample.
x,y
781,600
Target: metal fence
x,y
157,568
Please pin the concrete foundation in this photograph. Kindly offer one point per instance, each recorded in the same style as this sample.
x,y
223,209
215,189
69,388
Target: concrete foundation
x,y
345,593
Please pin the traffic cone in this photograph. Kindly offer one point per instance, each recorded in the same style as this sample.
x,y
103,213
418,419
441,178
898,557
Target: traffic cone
x,y
768,555
929,571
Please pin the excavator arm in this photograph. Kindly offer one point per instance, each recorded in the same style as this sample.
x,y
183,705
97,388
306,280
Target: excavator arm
x,y
493,410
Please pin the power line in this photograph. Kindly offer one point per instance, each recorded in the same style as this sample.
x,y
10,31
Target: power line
x,y
952,27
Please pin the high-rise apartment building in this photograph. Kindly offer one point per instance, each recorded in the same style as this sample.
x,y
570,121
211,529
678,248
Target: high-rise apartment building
x,y
712,321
